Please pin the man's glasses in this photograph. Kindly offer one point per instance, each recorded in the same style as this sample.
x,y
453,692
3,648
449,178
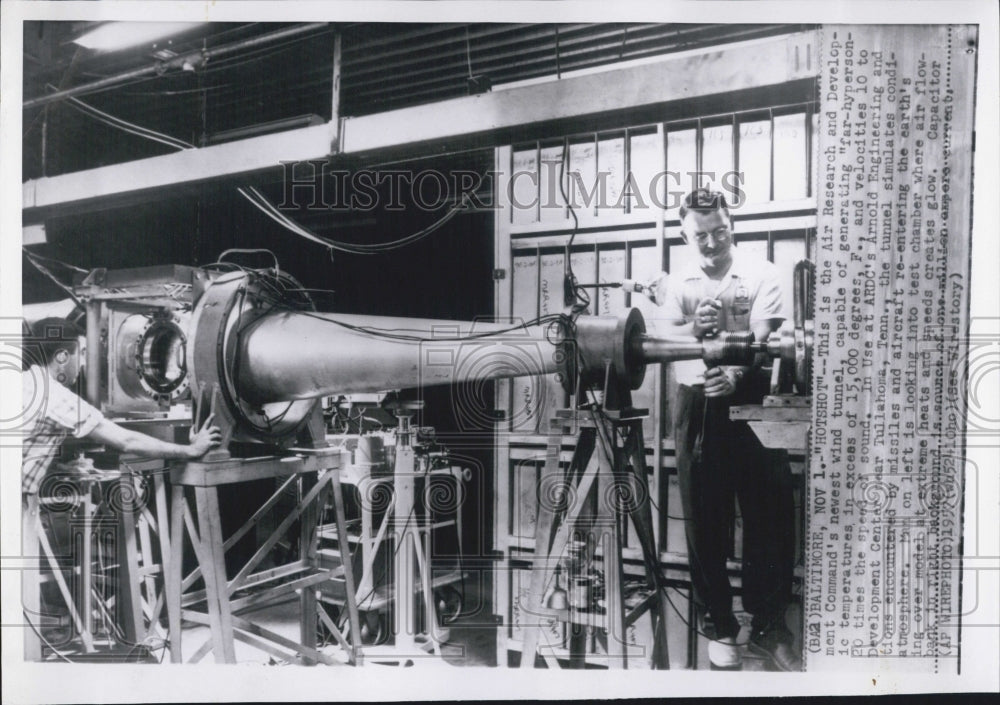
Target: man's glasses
x,y
721,234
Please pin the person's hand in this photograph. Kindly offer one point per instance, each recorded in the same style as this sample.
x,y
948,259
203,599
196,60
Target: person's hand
x,y
720,382
706,318
204,439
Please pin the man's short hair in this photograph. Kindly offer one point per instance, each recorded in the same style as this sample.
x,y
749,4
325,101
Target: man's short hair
x,y
50,335
704,200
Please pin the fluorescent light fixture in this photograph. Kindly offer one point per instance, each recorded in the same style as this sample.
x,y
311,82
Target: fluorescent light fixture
x,y
122,35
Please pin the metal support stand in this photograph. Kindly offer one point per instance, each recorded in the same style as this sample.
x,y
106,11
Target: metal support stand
x,y
317,470
109,514
412,562
567,507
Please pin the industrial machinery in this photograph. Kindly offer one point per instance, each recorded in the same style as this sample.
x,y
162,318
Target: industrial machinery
x,y
249,348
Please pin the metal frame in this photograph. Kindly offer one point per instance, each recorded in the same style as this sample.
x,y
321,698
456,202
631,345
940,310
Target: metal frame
x,y
318,471
612,478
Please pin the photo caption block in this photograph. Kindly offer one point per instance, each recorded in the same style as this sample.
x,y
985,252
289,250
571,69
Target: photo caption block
x,y
891,319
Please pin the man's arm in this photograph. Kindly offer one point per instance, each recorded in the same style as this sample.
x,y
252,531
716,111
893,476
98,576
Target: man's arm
x,y
126,441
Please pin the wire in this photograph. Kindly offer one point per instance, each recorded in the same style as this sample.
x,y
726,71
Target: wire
x,y
129,127
249,251
52,277
468,51
390,335
582,302
59,262
261,202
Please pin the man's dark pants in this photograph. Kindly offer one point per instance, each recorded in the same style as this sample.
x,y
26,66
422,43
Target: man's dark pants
x,y
734,462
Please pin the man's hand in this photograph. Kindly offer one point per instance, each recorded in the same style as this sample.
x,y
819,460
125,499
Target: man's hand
x,y
720,382
706,318
205,439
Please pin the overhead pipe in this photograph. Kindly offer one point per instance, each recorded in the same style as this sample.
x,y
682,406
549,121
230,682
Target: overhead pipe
x,y
195,58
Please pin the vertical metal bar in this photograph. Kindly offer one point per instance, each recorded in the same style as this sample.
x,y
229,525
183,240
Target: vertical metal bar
x,y
735,140
692,640
173,571
350,590
335,99
129,596
538,182
405,615
146,552
94,357
699,150
45,141
628,167
86,567
530,631
770,117
162,524
219,615
30,579
307,546
612,539
810,186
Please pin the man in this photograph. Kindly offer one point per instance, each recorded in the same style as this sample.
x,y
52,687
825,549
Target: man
x,y
53,412
58,412
726,290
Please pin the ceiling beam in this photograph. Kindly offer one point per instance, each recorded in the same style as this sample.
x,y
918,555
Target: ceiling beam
x,y
473,122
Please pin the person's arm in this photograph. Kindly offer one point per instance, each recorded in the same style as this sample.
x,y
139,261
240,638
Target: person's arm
x,y
704,319
126,441
765,316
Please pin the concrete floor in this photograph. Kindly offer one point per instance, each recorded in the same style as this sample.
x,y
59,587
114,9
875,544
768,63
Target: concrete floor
x,y
472,638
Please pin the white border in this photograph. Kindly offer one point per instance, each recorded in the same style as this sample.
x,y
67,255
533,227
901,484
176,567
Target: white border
x,y
81,683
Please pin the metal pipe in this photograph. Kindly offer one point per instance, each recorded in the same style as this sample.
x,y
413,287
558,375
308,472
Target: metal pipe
x,y
195,58
657,349
290,356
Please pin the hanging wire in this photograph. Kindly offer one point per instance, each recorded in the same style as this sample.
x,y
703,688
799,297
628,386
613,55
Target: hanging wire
x,y
582,301
468,51
37,264
261,202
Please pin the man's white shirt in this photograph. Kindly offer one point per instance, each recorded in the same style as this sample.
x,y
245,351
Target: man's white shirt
x,y
750,292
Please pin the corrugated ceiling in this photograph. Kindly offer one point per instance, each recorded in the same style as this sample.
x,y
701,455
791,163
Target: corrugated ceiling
x,y
384,66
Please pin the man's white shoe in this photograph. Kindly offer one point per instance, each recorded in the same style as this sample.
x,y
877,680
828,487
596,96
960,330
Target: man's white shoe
x,y
724,653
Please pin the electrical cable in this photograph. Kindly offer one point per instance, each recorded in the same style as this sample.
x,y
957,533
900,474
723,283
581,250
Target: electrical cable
x,y
582,297
52,277
249,251
81,270
389,335
126,126
468,51
261,202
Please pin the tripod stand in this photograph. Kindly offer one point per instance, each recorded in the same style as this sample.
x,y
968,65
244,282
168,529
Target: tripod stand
x,y
569,504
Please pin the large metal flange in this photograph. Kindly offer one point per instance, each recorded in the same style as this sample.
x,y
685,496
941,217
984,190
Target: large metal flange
x,y
610,340
221,316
